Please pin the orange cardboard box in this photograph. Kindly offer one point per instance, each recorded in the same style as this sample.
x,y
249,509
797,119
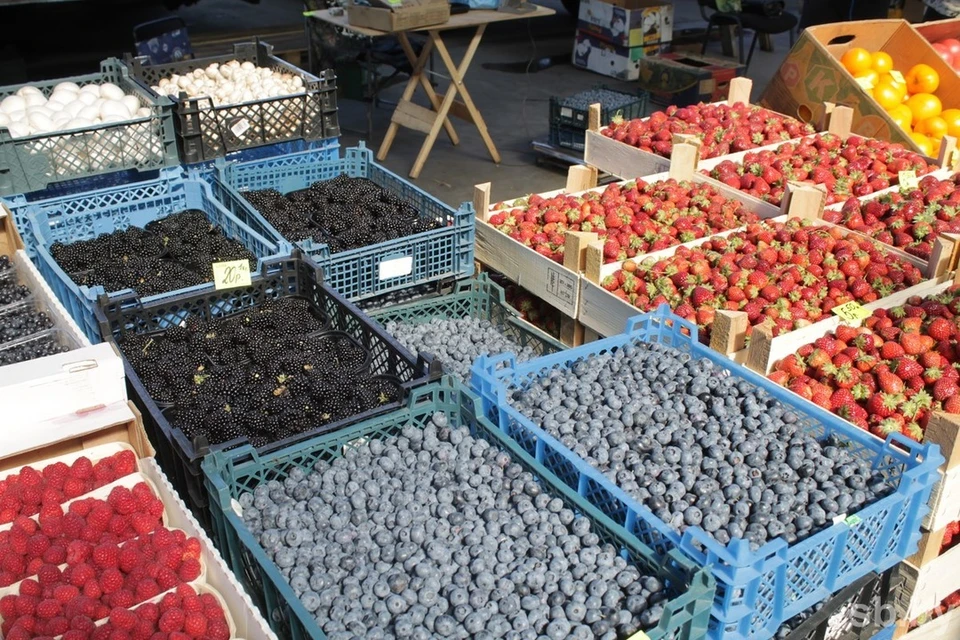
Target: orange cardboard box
x,y
812,74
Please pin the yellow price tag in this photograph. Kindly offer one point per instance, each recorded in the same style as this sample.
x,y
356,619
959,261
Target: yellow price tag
x,y
227,275
852,311
639,635
908,180
865,83
897,77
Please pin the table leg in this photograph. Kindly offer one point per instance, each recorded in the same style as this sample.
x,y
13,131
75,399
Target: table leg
x,y
408,91
457,73
427,87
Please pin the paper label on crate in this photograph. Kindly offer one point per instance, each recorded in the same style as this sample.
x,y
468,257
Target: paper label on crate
x,y
866,83
852,311
897,77
237,508
566,112
240,127
396,267
235,273
639,635
908,180
852,521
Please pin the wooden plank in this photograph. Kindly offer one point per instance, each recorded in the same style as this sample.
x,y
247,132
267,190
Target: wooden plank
x,y
928,549
457,109
593,262
593,117
729,331
481,201
944,500
571,331
947,157
943,430
804,200
841,121
940,257
923,588
603,312
619,159
739,91
575,249
413,116
581,178
761,342
684,161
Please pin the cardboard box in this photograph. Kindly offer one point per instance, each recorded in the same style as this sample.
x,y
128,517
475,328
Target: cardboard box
x,y
399,15
623,63
812,74
684,79
627,23
120,422
939,29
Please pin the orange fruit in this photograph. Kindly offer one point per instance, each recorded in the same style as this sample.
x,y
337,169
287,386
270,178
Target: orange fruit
x,y
922,78
952,118
922,141
924,105
881,62
902,115
887,95
935,128
856,60
870,76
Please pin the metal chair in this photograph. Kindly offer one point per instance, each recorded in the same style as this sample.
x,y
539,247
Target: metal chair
x,y
752,17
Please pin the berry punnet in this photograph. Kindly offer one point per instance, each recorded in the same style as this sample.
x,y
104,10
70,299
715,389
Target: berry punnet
x,y
166,255
456,342
722,128
436,534
697,446
343,213
632,218
910,220
852,167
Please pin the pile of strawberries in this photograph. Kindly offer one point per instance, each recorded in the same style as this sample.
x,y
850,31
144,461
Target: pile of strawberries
x,y
179,615
633,218
112,576
790,273
722,128
24,493
946,605
951,537
910,221
531,308
888,375
66,537
852,167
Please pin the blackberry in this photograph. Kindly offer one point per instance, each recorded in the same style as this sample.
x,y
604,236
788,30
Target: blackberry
x,y
168,254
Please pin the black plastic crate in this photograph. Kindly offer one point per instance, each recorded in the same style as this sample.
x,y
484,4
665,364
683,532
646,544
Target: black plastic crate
x,y
565,114
856,612
181,456
567,137
206,131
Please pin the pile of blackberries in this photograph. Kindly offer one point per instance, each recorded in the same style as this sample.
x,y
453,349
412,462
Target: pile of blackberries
x,y
343,213
698,446
265,374
436,534
456,342
168,254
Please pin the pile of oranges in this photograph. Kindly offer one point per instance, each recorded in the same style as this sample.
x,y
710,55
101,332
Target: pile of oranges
x,y
910,99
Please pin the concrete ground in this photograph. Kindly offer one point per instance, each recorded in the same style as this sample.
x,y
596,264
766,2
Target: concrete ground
x,y
515,105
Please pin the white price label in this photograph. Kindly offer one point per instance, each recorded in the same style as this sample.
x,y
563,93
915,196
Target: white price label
x,y
566,112
396,267
237,508
240,127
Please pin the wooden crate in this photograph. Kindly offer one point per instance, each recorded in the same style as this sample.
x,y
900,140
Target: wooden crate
x,y
946,627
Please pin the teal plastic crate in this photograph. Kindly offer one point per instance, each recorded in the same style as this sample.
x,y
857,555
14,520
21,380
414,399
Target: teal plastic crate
x,y
229,474
71,219
478,298
35,162
431,256
757,591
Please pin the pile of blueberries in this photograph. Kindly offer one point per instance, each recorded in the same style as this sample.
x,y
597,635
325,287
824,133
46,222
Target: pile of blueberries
x,y
697,446
433,533
22,323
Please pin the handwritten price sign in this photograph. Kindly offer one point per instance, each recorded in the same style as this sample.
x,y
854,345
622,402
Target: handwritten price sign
x,y
908,180
227,275
852,312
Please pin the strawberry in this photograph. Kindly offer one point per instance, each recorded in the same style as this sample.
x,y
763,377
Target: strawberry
x,y
890,382
945,388
891,350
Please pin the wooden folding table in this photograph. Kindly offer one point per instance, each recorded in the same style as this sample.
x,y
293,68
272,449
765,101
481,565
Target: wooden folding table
x,y
429,121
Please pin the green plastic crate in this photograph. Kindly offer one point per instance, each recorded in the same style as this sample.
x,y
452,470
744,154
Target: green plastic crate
x,y
480,298
228,474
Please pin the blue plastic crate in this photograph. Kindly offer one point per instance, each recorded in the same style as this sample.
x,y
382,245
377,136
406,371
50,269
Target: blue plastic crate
x,y
326,149
885,634
228,474
438,254
757,591
86,216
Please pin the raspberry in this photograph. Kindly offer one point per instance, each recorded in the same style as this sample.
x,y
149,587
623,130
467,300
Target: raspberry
x,y
195,625
37,544
82,507
143,523
125,463
111,580
49,574
58,626
119,526
101,612
30,478
18,541
170,557
13,562
143,494
72,526
124,598
91,589
189,570
34,565
169,601
18,633
123,618
51,496
55,555
130,558
103,472
156,509
8,607
192,603
143,630
76,634
82,468
56,473
102,633
31,497
64,593
99,517
218,630
149,611
48,609
78,551
51,509
73,488
30,587
7,579
26,605
51,526
163,537
167,578
171,621
147,589
82,623
26,524
106,556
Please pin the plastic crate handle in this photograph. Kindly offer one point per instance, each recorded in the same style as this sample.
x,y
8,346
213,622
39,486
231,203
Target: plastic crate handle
x,y
916,450
662,314
488,363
